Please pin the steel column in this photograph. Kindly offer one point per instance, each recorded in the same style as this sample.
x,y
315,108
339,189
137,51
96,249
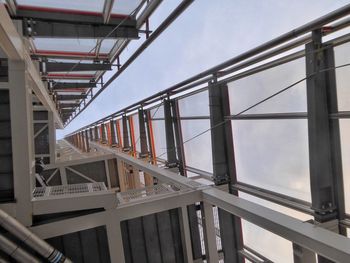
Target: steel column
x,y
224,167
169,134
321,179
126,143
21,113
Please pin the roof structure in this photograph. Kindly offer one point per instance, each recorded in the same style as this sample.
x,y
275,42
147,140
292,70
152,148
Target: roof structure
x,y
75,43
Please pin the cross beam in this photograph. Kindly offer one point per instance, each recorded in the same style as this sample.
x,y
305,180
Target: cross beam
x,y
75,18
72,85
68,105
70,97
65,67
72,30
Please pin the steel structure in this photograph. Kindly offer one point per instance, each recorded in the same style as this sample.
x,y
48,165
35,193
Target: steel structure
x,y
166,179
80,45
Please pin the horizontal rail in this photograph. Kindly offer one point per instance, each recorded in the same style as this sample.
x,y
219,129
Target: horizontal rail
x,y
324,242
283,43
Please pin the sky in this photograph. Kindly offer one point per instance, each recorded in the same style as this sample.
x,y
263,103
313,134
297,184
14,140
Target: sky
x,y
208,33
268,154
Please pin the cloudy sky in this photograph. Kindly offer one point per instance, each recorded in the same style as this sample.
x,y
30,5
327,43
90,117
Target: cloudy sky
x,y
208,33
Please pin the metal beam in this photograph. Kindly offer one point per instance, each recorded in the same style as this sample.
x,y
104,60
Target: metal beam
x,y
71,30
162,27
70,97
68,105
321,179
74,18
72,85
13,46
70,67
68,55
107,10
143,134
169,135
224,168
67,110
162,174
317,239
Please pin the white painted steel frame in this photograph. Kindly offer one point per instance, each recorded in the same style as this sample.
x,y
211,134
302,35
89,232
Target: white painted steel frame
x,y
315,238
11,42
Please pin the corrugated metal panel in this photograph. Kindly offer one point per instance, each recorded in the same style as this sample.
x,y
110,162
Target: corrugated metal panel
x,y
153,238
6,166
87,246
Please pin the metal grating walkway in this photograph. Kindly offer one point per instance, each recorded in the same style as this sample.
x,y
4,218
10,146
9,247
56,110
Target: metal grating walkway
x,y
71,189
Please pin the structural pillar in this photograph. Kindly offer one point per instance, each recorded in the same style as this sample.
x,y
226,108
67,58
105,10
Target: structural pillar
x,y
22,139
224,169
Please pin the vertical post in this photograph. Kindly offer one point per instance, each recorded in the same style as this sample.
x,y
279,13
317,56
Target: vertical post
x,y
52,137
324,141
63,175
115,241
169,135
321,181
152,152
191,212
96,133
210,235
143,143
113,133
335,137
22,139
126,144
178,137
82,140
143,137
119,136
108,176
87,141
224,167
91,133
186,235
303,255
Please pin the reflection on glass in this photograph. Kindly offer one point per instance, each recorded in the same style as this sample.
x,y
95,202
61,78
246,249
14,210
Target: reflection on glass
x,y
345,148
195,105
266,243
249,90
342,76
273,154
197,151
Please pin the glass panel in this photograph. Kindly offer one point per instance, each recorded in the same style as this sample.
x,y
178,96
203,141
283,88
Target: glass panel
x,y
345,148
125,7
341,55
135,119
266,243
195,105
273,154
197,151
247,91
159,139
157,112
107,45
65,44
78,5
